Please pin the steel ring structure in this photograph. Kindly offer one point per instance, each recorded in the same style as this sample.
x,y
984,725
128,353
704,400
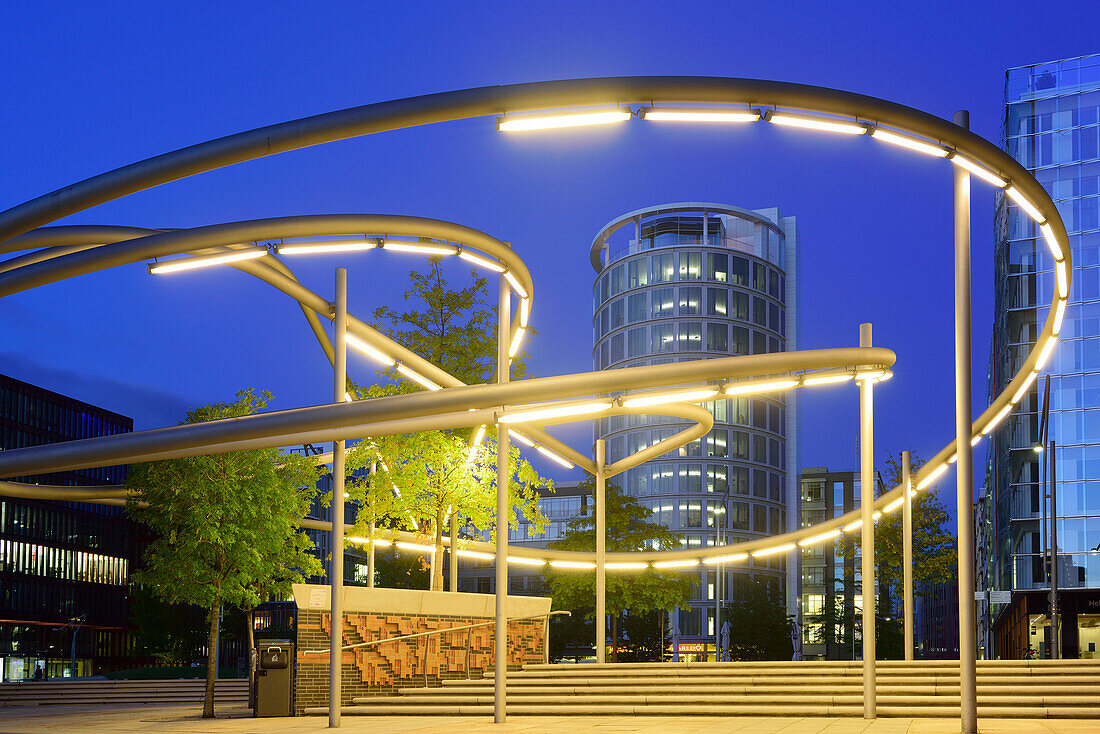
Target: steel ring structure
x,y
70,251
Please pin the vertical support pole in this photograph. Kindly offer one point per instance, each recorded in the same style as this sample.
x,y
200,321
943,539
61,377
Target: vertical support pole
x,y
504,476
452,567
601,552
964,466
336,569
1055,616
370,549
867,530
907,552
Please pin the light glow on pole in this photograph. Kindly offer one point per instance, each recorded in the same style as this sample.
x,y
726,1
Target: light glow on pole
x,y
812,540
417,378
481,261
773,550
826,379
555,457
749,388
514,282
418,248
1023,203
678,396
905,141
824,124
361,346
684,563
565,119
193,263
725,559
980,171
528,414
1052,242
665,114
325,246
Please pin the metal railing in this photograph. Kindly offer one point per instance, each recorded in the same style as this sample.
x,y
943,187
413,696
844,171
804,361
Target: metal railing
x,y
427,645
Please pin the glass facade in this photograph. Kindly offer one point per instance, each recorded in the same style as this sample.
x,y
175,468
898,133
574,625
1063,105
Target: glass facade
x,y
1052,127
686,282
60,560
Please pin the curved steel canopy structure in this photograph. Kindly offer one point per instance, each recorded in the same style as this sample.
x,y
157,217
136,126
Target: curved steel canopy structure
x,y
70,251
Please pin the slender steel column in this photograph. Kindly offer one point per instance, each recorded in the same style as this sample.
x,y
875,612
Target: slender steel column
x,y
504,477
452,566
1055,615
601,552
370,536
867,530
336,568
907,552
964,466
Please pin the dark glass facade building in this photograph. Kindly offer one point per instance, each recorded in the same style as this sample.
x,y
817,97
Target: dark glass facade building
x,y
62,560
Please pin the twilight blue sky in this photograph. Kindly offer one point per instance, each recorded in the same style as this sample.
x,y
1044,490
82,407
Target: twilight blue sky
x,y
87,87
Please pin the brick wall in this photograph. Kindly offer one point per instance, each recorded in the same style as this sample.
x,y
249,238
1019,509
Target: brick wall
x,y
382,669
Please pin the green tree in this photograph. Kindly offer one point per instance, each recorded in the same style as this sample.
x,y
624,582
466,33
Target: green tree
x,y
628,529
759,628
172,634
225,525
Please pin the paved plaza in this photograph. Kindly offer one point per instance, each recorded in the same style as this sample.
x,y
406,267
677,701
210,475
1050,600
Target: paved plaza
x,y
69,719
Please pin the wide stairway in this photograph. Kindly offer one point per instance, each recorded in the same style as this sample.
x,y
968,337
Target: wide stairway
x,y
1006,689
122,692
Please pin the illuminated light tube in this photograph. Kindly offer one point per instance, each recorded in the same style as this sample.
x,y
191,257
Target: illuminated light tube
x,y
475,554
555,457
517,340
683,563
572,564
416,247
479,436
725,559
567,119
689,396
983,173
1045,354
825,379
360,345
818,538
772,551
347,397
519,289
416,547
997,419
893,505
1027,206
191,263
525,561
876,515
1028,380
876,375
976,440
755,387
1052,242
638,566
382,542
521,438
1063,279
907,142
480,261
312,248
357,539
553,411
702,115
853,526
1059,314
932,477
953,458
419,379
816,123
524,311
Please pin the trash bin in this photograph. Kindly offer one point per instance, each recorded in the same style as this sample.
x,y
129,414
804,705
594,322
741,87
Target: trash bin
x,y
274,676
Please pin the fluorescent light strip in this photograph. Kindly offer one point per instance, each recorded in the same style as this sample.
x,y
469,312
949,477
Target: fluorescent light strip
x,y
951,459
312,248
524,561
382,542
572,564
554,457
1025,386
358,344
773,551
524,311
702,115
689,396
416,547
976,440
517,341
816,123
755,387
684,563
519,289
420,380
732,558
191,263
853,526
1052,242
1045,354
818,538
876,375
475,554
825,379
416,247
983,173
571,119
893,505
997,419
625,566
907,142
553,411
932,477
1027,206
1063,278
1059,314
480,261
521,438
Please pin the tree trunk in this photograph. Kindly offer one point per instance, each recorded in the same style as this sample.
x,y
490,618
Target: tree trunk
x,y
614,638
437,559
211,662
251,658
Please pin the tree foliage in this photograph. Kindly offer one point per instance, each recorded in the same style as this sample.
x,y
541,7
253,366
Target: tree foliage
x,y
759,626
226,526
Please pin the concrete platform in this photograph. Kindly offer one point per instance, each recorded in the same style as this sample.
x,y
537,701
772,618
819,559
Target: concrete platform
x,y
235,720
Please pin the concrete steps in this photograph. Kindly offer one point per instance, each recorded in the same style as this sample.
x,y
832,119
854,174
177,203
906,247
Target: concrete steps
x,y
121,692
1016,689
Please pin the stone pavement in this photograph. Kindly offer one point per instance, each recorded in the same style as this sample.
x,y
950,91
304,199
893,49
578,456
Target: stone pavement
x,y
185,719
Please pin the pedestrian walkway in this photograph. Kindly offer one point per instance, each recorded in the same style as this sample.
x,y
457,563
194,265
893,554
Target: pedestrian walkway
x,y
185,720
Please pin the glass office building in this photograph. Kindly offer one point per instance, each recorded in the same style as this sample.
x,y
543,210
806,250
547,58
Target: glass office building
x,y
62,560
692,281
1051,126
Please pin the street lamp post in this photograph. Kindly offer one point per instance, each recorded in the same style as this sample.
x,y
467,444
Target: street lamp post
x,y
504,475
907,552
336,568
601,552
867,530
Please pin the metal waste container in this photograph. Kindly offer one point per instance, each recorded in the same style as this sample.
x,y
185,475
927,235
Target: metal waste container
x,y
274,678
